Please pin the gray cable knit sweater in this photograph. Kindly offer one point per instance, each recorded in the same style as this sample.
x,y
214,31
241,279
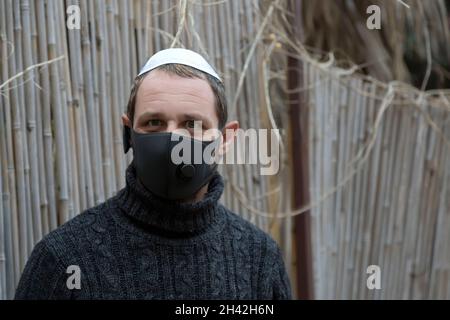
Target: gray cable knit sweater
x,y
137,246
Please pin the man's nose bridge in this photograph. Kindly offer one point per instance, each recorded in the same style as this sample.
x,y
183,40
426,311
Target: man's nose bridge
x,y
176,127
171,126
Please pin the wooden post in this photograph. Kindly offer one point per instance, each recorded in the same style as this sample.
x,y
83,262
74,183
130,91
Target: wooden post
x,y
299,145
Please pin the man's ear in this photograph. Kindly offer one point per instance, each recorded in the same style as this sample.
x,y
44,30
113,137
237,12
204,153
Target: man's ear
x,y
228,133
126,133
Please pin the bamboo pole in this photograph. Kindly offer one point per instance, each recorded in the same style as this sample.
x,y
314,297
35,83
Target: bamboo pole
x,y
104,102
31,125
65,97
21,237
61,46
43,202
5,239
81,149
11,140
8,203
61,162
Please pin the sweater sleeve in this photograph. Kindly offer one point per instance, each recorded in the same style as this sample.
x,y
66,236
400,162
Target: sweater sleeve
x,y
43,277
280,280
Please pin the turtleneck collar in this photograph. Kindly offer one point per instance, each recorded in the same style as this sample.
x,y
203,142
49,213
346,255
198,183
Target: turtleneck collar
x,y
171,216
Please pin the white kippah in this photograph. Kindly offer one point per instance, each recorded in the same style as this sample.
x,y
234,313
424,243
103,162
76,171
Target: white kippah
x,y
180,56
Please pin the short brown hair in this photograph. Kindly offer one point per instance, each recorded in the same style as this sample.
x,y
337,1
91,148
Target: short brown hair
x,y
185,72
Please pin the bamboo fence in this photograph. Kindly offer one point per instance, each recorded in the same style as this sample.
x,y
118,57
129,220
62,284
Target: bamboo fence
x,y
384,151
378,179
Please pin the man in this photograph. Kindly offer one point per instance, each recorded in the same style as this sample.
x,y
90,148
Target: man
x,y
164,235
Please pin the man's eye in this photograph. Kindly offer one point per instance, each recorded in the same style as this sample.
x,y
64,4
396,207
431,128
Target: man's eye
x,y
154,123
190,124
193,124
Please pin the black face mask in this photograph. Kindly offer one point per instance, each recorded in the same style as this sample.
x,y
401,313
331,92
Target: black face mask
x,y
158,172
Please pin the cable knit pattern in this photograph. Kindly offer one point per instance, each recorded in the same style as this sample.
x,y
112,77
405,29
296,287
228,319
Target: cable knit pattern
x,y
242,263
138,246
216,269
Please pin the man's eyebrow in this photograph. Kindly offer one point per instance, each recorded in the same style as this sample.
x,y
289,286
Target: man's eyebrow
x,y
151,114
187,115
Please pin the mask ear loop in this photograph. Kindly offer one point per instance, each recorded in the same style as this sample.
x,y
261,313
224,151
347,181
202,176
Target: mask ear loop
x,y
126,139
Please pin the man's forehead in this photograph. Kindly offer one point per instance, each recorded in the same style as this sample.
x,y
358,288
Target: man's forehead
x,y
163,82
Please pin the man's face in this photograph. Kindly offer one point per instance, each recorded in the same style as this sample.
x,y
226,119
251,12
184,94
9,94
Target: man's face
x,y
169,103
